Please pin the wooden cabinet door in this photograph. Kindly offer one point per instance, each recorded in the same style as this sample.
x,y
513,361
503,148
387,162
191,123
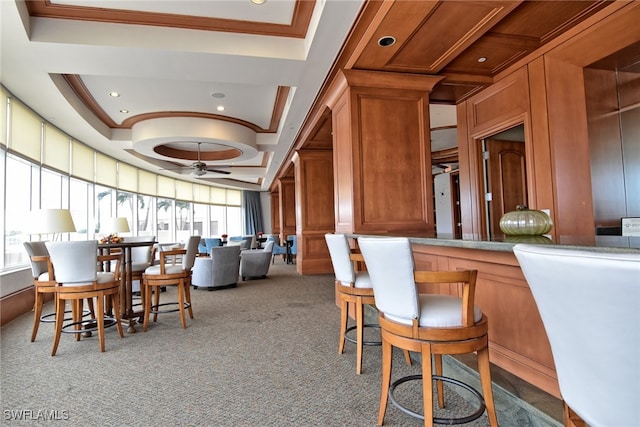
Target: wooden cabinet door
x,y
506,180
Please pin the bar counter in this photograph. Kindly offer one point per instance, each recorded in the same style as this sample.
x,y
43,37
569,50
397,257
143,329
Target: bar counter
x,y
517,340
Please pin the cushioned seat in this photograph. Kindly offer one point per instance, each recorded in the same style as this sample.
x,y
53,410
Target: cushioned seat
x,y
254,264
431,325
277,248
220,269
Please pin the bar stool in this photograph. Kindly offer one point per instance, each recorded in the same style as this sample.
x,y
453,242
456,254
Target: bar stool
x,y
431,325
168,274
352,287
75,270
589,302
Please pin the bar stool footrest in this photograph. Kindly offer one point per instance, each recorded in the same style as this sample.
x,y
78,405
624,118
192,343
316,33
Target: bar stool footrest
x,y
355,341
436,420
155,309
89,325
51,317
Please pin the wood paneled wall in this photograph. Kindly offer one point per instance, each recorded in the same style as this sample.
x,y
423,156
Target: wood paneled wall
x,y
287,203
315,210
382,153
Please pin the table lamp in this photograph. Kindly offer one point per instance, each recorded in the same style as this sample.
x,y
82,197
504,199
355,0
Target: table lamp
x,y
54,222
113,227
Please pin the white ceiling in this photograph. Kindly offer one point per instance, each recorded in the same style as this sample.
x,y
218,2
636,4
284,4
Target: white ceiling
x,y
159,69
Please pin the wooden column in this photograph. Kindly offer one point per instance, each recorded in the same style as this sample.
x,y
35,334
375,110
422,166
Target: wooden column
x,y
382,153
315,209
275,212
287,203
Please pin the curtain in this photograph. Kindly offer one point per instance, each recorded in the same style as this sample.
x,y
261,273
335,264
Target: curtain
x,y
252,212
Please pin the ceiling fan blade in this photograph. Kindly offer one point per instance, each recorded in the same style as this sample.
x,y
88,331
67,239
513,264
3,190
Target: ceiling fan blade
x,y
218,171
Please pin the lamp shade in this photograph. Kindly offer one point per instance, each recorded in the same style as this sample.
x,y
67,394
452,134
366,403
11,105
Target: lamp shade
x,y
54,221
119,225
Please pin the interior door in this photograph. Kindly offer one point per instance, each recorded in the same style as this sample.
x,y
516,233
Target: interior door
x,y
506,180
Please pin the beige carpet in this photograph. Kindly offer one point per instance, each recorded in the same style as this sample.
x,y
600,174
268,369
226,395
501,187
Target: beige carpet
x,y
262,354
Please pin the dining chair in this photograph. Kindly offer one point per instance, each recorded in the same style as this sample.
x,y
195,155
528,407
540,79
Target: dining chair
x,y
589,302
170,273
430,324
278,249
75,270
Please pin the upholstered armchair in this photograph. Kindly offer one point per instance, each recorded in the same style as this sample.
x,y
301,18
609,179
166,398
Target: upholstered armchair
x,y
277,248
218,270
254,264
245,242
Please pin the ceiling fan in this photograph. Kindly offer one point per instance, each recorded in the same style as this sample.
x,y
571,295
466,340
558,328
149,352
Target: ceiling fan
x,y
199,168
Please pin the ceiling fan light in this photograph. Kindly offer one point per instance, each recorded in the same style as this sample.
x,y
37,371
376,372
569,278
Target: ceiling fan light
x,y
198,172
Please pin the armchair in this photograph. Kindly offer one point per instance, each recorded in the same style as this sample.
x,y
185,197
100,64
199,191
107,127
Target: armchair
x,y
254,264
219,270
277,248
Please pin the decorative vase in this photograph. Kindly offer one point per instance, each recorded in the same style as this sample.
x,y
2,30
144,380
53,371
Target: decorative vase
x,y
525,222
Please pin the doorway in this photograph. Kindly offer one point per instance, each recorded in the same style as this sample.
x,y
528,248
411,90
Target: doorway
x,y
505,177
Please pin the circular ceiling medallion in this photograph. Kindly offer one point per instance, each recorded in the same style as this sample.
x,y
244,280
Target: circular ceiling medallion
x,y
178,138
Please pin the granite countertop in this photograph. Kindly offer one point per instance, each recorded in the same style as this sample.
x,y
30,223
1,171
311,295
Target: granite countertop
x,y
507,246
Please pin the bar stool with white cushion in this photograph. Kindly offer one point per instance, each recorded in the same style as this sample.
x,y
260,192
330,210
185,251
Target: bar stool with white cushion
x,y
352,287
589,302
432,325
75,267
167,273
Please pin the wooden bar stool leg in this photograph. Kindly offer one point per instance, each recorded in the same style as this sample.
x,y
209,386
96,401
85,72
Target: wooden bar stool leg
x,y
439,385
387,353
37,310
156,301
115,301
359,334
60,303
100,320
427,384
181,292
187,296
344,313
484,370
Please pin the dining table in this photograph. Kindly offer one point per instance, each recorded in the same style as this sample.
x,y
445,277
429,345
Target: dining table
x,y
127,308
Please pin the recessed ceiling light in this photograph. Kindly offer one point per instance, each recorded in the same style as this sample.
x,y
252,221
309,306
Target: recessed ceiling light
x,y
218,95
123,111
482,59
114,94
257,1
220,108
386,41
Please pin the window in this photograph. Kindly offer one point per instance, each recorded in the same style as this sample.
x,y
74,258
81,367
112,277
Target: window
x,y
17,211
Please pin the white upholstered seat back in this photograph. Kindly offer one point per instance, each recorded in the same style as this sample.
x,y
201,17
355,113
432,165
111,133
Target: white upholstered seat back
x,y
192,251
340,252
590,306
74,262
38,268
390,264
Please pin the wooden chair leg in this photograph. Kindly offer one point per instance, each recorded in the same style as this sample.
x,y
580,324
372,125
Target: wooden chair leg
x,y
387,353
147,307
60,303
407,357
115,301
156,301
359,334
187,296
100,321
344,313
76,315
571,419
37,312
181,292
439,385
484,370
427,384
